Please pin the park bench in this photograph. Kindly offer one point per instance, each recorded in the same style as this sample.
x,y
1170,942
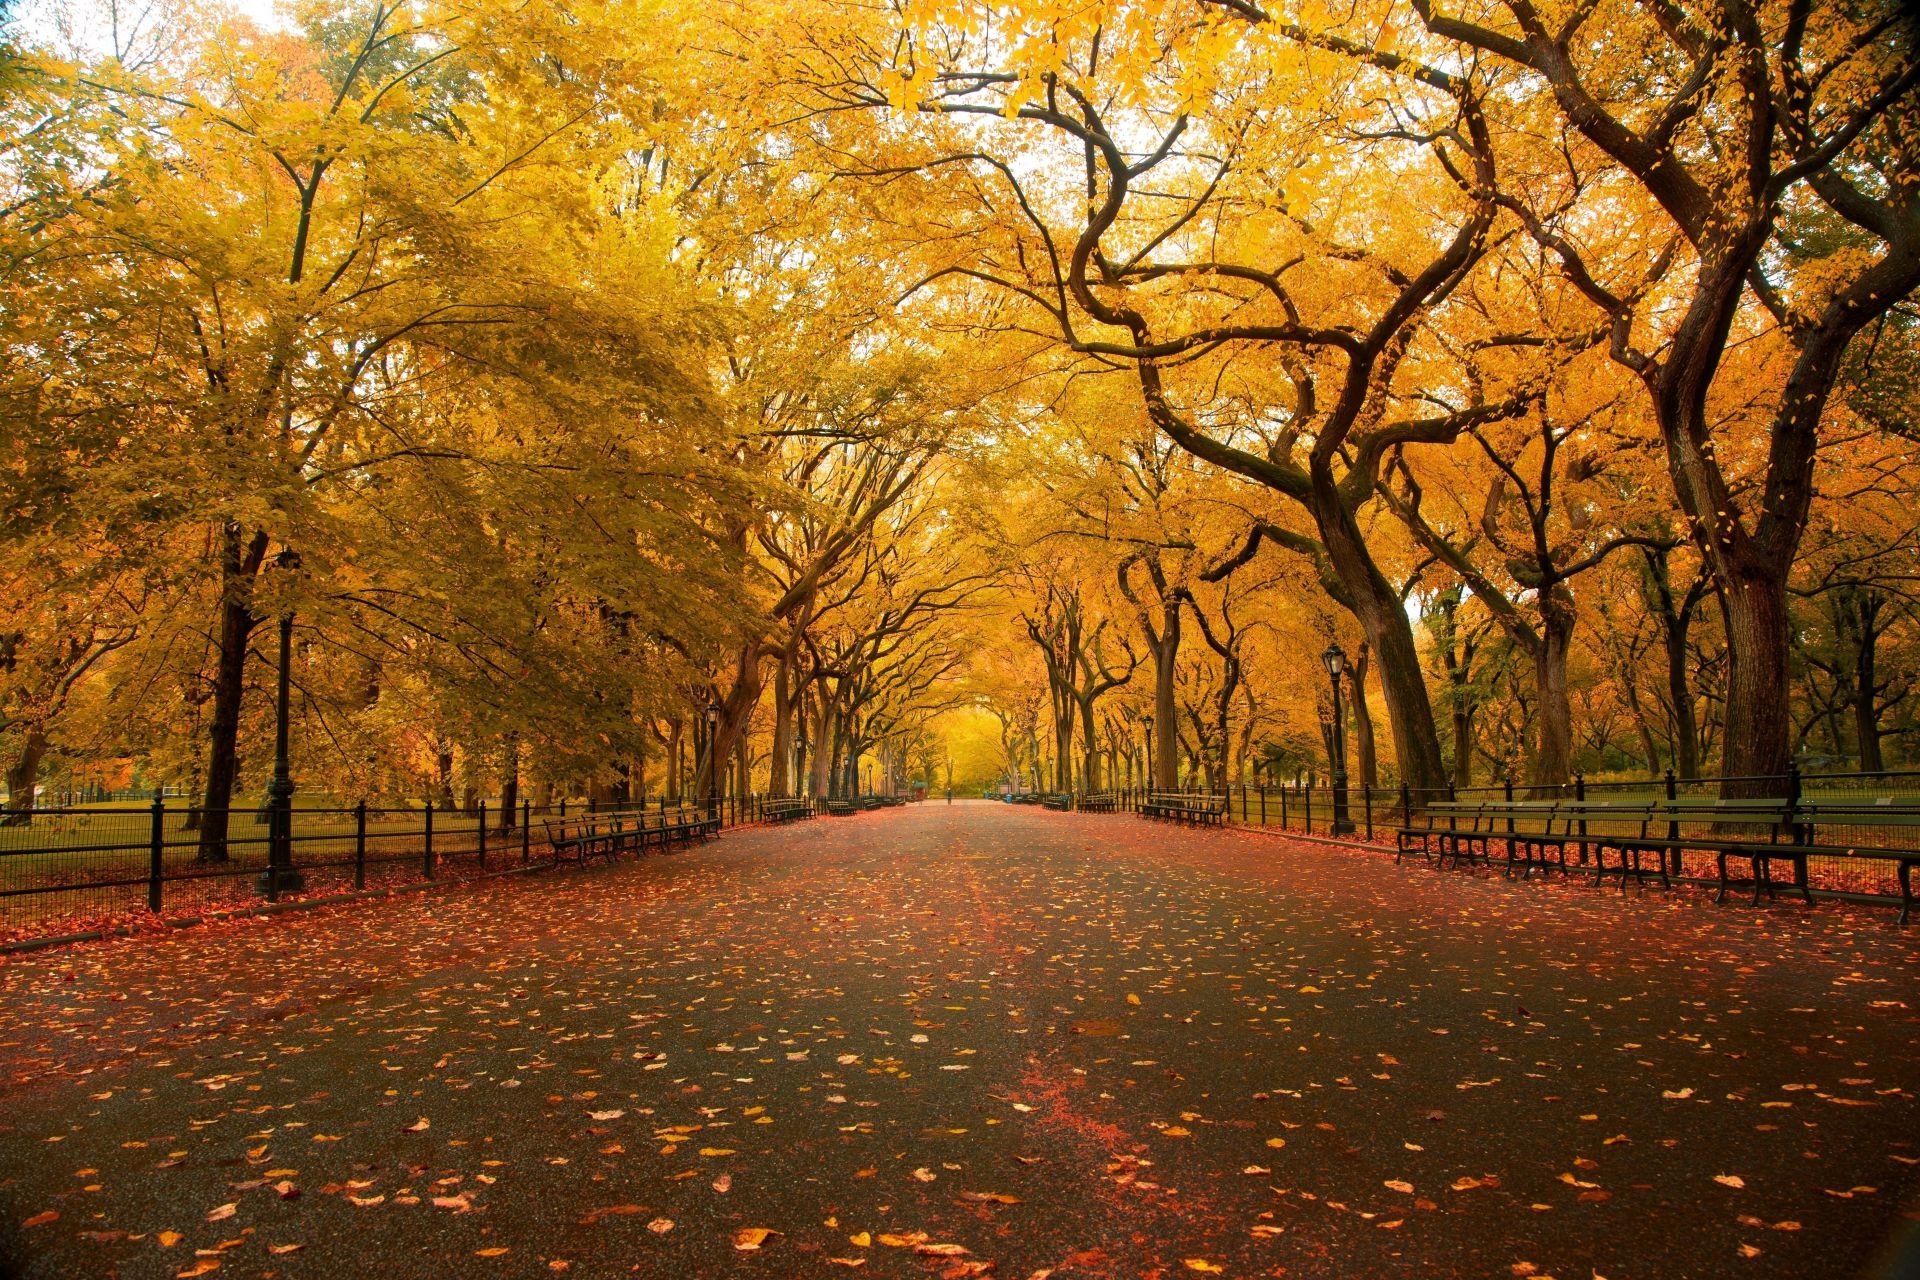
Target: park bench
x,y
1203,810
841,808
1098,802
786,810
1445,831
1898,816
577,839
1059,801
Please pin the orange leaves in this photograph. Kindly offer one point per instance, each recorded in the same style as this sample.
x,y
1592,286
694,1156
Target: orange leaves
x,y
42,1219
419,1126
748,1239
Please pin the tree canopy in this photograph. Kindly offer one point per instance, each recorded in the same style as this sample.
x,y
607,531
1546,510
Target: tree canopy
x,y
824,396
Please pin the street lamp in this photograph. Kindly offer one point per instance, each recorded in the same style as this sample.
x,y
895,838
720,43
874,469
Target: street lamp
x,y
1336,662
713,760
280,874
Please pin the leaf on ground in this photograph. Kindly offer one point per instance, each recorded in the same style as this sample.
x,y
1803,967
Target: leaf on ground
x,y
222,1213
420,1126
41,1219
747,1239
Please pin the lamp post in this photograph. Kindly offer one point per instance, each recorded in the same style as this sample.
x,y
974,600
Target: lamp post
x,y
1336,662
713,760
280,874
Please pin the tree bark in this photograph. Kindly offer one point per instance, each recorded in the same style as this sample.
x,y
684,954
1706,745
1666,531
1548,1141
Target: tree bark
x,y
1383,617
1866,685
1553,741
778,783
1757,746
1365,753
1166,707
241,557
23,776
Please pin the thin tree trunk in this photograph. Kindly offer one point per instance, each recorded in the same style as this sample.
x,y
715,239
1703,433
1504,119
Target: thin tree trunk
x,y
240,566
1866,690
1166,709
1365,753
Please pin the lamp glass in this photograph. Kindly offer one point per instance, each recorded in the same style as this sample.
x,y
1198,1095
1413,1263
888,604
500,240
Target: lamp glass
x,y
1335,659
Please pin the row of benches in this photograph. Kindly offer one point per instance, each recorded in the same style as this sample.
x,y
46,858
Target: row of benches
x,y
1643,839
610,835
842,808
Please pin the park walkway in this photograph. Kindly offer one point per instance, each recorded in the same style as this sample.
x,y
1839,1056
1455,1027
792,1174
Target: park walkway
x,y
937,1040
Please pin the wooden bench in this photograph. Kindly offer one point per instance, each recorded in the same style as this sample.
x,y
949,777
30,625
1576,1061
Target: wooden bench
x,y
1098,802
1058,801
1202,810
841,808
1899,815
577,839
786,810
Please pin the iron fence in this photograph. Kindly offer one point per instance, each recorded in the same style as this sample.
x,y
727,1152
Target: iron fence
x,y
75,869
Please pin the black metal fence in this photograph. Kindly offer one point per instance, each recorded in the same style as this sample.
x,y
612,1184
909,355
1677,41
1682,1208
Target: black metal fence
x,y
75,869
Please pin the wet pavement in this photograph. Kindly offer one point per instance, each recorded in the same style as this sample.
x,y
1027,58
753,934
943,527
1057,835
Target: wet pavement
x,y
968,1039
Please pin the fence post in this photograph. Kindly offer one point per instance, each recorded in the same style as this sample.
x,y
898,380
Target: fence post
x,y
1506,785
156,852
526,840
1673,856
426,857
483,835
1263,804
1406,804
1580,798
1283,806
1307,798
360,845
1793,800
1366,800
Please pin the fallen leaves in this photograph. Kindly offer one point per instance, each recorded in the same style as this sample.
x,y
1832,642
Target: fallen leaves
x,y
1733,1180
748,1239
419,1126
223,1212
42,1218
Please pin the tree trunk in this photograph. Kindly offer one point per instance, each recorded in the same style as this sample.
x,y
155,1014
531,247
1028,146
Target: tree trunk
x,y
510,785
443,775
23,776
1382,614
1365,753
1866,689
1090,766
240,565
1685,747
1166,709
1757,743
1553,744
782,756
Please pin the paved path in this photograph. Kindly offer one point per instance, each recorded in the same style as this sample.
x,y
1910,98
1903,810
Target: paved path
x,y
1091,1045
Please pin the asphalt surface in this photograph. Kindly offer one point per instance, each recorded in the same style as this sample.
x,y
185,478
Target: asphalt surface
x,y
972,1040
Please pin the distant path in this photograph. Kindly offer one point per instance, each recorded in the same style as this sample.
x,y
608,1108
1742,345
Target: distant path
x,y
1082,1043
